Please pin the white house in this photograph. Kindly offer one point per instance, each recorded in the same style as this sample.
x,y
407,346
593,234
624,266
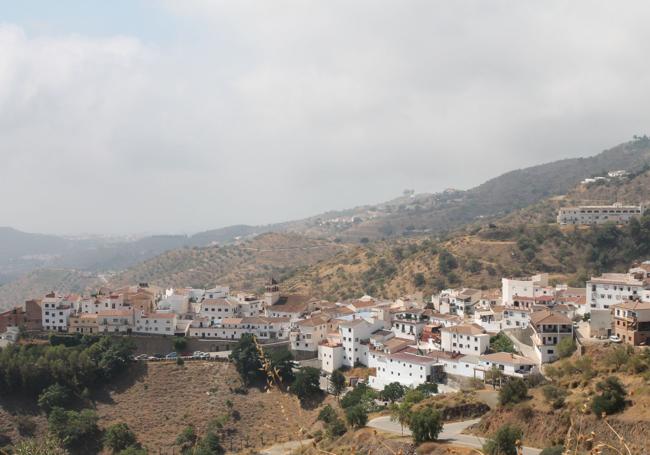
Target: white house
x,y
408,368
219,309
508,364
524,287
467,339
549,328
408,323
116,321
55,313
309,333
155,323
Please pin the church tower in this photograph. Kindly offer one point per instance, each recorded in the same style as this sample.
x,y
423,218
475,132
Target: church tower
x,y
271,292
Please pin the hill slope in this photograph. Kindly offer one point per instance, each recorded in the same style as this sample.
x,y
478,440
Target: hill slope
x,y
526,241
245,265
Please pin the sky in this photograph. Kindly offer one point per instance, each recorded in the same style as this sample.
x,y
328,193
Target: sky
x,y
154,116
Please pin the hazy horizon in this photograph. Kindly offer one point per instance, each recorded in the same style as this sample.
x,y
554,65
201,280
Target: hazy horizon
x,y
154,116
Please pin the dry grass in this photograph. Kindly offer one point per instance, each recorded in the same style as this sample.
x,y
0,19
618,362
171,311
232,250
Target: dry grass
x,y
168,397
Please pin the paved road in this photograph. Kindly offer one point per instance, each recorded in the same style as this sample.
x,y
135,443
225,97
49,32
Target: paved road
x,y
451,433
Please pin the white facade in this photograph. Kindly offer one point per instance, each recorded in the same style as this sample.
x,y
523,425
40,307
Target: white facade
x,y
116,321
599,214
408,369
156,323
524,287
464,339
613,288
55,314
218,309
309,333
549,328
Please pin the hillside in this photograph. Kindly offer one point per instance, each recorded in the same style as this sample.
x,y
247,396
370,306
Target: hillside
x,y
158,400
39,282
526,241
244,265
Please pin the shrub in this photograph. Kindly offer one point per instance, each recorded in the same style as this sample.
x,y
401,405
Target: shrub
x,y
180,344
336,428
55,396
514,391
425,425
504,441
337,382
611,398
392,392
362,393
327,414
428,388
501,343
75,429
306,384
119,437
356,415
555,396
566,347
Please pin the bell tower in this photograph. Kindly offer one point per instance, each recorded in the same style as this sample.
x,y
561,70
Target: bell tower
x,y
271,292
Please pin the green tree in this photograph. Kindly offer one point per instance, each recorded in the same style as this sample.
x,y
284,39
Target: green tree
x,y
76,429
55,396
210,444
501,343
504,442
247,360
327,414
337,382
335,428
425,425
611,398
180,344
282,361
306,384
419,280
566,347
392,392
356,416
401,413
554,395
362,393
513,391
118,437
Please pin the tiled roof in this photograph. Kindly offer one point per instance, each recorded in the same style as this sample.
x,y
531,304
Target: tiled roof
x,y
549,317
465,329
506,357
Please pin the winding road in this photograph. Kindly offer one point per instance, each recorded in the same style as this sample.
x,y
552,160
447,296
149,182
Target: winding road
x,y
451,433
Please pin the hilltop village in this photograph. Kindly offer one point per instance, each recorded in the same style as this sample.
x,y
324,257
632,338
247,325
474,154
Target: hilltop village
x,y
409,340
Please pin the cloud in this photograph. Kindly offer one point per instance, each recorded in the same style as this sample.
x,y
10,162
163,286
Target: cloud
x,y
274,110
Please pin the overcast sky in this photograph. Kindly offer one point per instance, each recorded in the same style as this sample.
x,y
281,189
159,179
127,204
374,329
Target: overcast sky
x,y
180,116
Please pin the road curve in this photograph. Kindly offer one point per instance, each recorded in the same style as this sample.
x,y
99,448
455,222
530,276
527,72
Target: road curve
x,y
451,433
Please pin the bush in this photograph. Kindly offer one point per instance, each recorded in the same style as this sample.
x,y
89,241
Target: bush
x,y
327,414
425,425
566,347
501,343
47,446
119,437
514,391
428,388
76,429
336,428
611,399
392,392
504,441
362,393
179,344
306,384
357,416
555,396
337,382
55,396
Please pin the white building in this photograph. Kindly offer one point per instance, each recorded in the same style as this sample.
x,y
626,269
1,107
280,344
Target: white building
x,y
466,339
533,286
508,364
116,321
599,214
408,323
408,368
613,288
155,323
217,292
219,309
234,328
309,333
55,313
549,328
176,303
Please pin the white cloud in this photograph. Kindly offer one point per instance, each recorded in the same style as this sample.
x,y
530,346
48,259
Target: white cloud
x,y
273,110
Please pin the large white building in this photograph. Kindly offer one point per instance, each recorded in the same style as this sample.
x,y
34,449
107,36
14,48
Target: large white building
x,y
309,333
466,339
155,323
599,214
55,313
534,286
